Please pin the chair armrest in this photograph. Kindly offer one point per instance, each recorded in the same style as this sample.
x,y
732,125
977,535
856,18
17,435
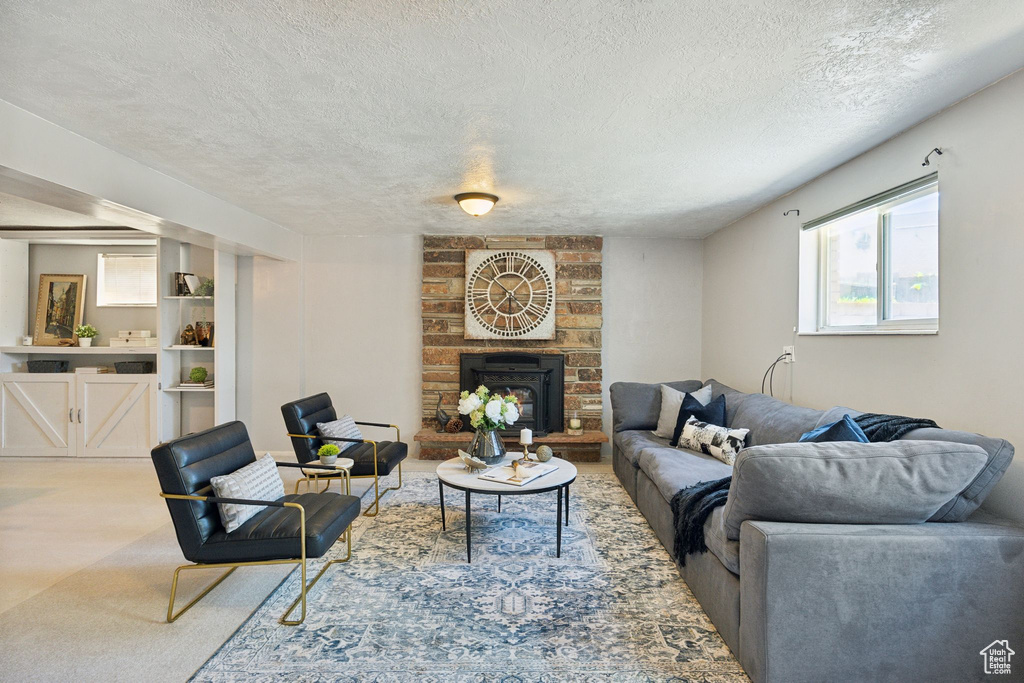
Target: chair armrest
x,y
236,501
328,438
398,432
308,466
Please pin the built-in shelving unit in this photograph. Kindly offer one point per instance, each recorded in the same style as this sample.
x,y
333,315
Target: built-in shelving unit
x,y
190,409
79,351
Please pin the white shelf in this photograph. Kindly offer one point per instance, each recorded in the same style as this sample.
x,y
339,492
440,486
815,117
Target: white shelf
x,y
190,298
81,351
190,389
188,347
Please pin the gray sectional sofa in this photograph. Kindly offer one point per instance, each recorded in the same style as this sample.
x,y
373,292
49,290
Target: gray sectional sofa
x,y
798,601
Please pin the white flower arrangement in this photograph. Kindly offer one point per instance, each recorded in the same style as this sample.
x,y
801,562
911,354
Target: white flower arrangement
x,y
487,411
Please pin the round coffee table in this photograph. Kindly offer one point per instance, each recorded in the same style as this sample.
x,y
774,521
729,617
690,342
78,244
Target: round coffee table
x,y
453,473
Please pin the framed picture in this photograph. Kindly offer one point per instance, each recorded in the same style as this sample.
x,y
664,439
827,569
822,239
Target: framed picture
x,y
59,309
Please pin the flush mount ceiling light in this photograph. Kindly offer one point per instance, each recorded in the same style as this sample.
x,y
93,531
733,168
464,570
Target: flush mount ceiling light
x,y
476,203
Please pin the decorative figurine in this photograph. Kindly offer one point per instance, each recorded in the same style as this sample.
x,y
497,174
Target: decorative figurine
x,y
471,462
544,453
188,336
441,416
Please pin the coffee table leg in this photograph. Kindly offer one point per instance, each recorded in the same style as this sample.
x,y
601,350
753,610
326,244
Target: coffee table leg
x,y
469,550
567,505
499,503
440,489
558,546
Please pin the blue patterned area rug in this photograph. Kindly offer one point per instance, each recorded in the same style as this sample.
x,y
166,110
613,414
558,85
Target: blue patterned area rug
x,y
408,607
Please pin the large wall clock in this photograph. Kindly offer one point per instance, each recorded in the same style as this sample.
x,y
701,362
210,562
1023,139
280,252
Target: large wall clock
x,y
510,294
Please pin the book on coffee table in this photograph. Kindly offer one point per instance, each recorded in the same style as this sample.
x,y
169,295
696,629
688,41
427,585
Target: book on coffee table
x,y
507,475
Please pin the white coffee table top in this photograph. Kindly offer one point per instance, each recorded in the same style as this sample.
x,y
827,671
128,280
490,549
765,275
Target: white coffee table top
x,y
454,473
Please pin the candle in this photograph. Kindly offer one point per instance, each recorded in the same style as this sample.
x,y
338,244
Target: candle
x,y
575,423
526,437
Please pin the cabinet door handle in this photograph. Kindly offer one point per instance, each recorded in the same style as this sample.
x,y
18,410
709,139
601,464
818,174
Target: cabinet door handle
x,y
71,414
79,416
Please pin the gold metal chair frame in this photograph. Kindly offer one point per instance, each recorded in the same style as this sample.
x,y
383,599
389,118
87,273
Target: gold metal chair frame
x,y
377,493
172,617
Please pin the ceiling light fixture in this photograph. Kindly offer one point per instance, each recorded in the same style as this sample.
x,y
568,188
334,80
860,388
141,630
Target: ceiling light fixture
x,y
476,203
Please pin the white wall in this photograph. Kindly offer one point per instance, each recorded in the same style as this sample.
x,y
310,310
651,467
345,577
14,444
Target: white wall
x,y
652,312
346,320
966,377
81,259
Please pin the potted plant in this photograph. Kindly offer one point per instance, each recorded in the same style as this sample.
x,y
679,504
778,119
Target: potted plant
x,y
488,413
85,333
198,375
328,454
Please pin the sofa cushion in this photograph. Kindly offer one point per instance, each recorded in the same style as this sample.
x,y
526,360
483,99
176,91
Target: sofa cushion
x,y
771,420
637,405
999,451
900,482
719,543
674,469
632,442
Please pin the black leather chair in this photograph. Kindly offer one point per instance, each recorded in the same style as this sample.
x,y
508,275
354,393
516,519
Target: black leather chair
x,y
372,458
287,531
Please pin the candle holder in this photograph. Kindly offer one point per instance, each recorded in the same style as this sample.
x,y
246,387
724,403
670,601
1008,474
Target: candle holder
x,y
575,425
526,449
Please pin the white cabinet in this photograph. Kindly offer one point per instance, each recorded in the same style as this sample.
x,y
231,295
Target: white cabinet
x,y
37,413
77,415
115,415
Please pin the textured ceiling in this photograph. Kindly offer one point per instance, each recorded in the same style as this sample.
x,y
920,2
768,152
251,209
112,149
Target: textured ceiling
x,y
635,117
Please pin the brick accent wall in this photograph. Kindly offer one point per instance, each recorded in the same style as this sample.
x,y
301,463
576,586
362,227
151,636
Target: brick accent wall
x,y
578,318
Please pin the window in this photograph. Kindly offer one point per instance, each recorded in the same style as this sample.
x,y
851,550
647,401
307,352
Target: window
x,y
875,264
126,280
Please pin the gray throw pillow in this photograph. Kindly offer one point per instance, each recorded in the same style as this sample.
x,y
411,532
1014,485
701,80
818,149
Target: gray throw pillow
x,y
900,482
342,428
258,480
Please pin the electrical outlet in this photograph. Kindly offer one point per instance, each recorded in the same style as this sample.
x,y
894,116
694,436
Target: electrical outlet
x,y
791,350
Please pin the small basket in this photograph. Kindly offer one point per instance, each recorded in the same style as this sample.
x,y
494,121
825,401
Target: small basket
x,y
134,367
48,365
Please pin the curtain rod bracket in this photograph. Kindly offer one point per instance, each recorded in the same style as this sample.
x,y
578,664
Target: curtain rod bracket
x,y
927,161
796,211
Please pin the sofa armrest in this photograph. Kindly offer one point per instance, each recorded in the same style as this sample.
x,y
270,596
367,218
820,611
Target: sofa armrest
x,y
877,602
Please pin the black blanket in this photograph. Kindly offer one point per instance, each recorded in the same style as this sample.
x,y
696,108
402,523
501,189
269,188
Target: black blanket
x,y
878,427
690,509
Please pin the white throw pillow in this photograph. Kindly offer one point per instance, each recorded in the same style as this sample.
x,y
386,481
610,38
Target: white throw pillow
x,y
342,428
259,480
718,442
671,401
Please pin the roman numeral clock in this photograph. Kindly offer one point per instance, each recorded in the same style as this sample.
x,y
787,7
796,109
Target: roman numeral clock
x,y
510,294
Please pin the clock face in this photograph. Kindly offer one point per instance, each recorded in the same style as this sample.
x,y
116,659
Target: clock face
x,y
510,294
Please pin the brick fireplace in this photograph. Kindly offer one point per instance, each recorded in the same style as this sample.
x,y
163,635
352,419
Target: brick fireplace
x,y
578,320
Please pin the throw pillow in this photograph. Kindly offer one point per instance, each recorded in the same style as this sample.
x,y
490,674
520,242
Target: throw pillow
x,y
712,413
258,480
718,442
342,428
843,430
671,400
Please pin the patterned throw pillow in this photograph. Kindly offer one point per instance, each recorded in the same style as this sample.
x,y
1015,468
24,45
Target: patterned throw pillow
x,y
343,428
718,442
259,480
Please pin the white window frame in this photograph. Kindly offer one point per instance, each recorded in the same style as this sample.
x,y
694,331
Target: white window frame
x,y
101,277
816,230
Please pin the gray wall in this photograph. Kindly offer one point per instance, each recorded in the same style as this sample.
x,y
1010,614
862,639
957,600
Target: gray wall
x,y
966,377
78,259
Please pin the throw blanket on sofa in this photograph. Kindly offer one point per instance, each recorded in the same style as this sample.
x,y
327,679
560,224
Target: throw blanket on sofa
x,y
690,509
878,427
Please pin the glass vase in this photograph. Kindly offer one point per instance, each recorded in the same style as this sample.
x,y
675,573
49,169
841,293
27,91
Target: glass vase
x,y
488,446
